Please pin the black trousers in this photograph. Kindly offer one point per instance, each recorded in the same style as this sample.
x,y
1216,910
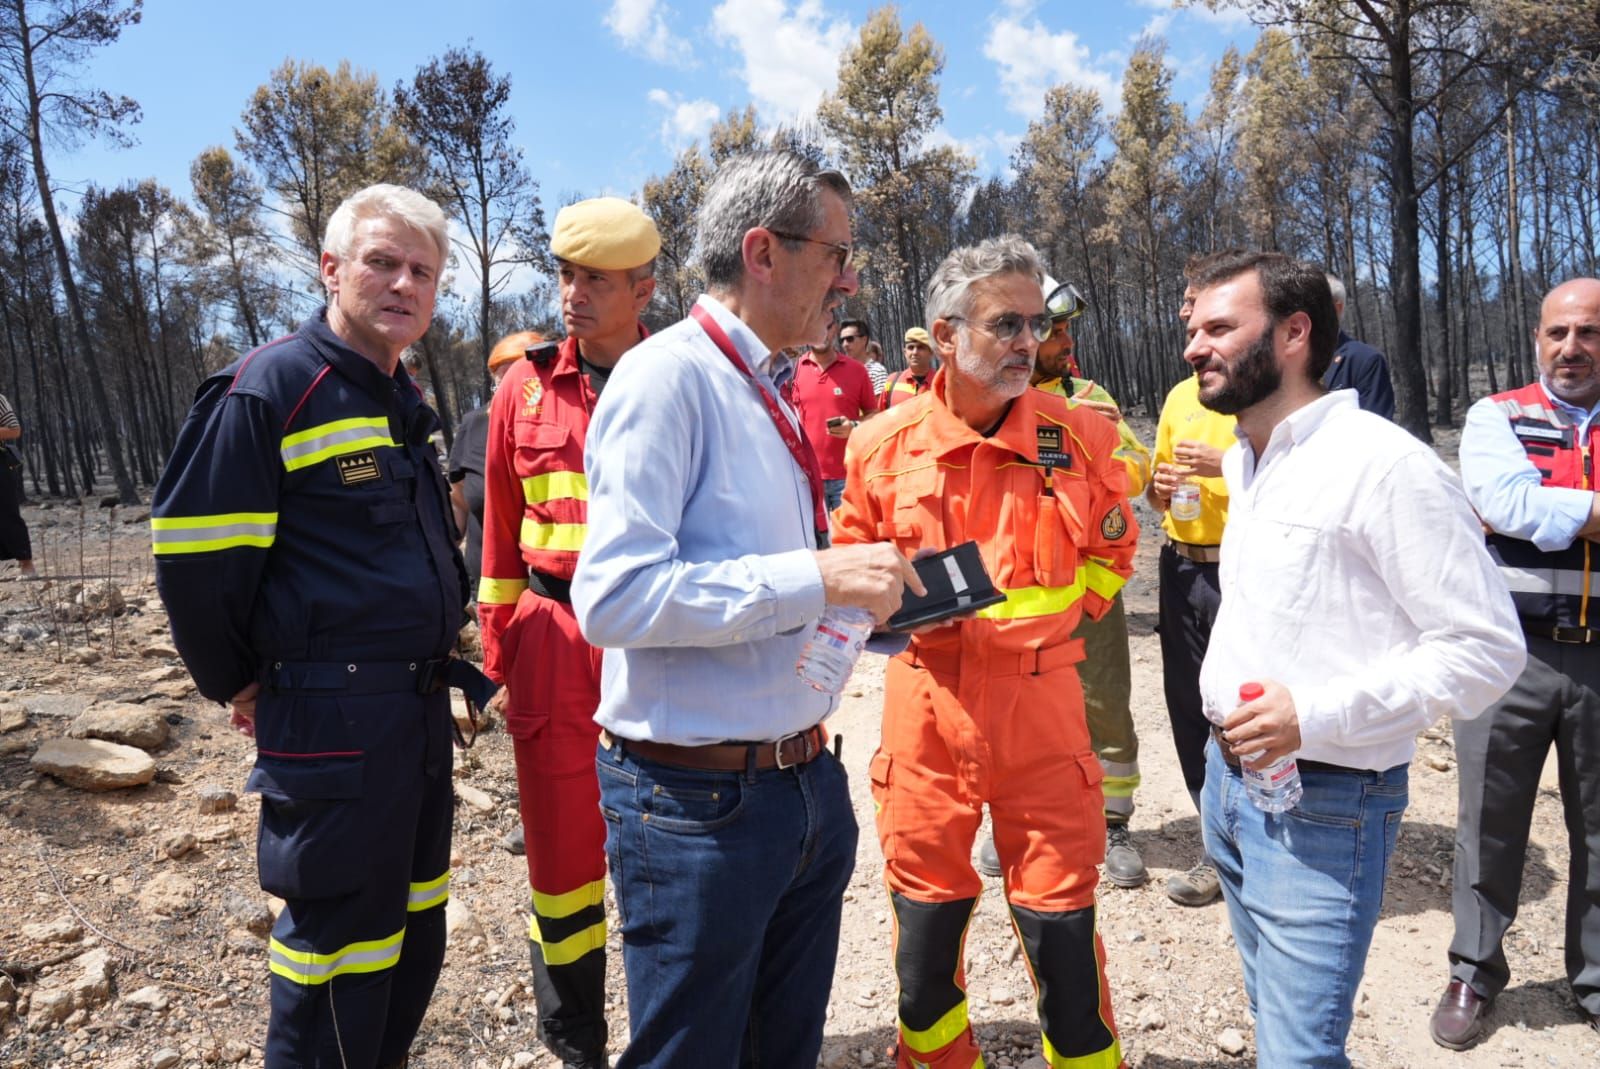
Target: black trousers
x,y
1556,701
1188,604
14,541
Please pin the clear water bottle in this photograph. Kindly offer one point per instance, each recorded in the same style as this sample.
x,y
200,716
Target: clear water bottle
x,y
1186,501
833,648
1276,788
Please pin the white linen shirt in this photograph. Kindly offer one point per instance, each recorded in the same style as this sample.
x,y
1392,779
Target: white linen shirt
x,y
1354,572
697,574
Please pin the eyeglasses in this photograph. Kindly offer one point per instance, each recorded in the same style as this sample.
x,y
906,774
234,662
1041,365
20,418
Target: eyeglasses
x,y
1065,302
1007,326
846,339
844,250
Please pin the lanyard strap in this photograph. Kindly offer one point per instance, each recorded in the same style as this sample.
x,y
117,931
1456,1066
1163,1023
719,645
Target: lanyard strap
x,y
799,447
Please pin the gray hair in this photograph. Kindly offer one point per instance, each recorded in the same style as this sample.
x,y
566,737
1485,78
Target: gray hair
x,y
776,189
949,289
1337,288
386,201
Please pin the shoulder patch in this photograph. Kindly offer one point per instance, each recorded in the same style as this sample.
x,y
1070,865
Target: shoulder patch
x,y
1115,524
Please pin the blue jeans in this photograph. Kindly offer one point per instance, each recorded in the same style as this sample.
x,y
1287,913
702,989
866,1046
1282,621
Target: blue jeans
x,y
1303,890
729,887
832,493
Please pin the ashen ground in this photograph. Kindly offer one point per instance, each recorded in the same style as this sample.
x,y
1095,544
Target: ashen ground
x,y
181,924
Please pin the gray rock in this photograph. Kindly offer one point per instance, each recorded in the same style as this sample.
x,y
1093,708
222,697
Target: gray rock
x,y
131,725
170,894
60,930
179,844
150,997
90,988
165,1058
216,800
93,764
477,799
13,716
1230,1041
253,915
157,651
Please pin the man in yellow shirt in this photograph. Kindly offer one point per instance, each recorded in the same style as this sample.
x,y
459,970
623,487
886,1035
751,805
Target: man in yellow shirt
x,y
1190,441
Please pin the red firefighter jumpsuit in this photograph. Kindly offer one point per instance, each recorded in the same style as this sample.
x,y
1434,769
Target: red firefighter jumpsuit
x,y
535,510
989,710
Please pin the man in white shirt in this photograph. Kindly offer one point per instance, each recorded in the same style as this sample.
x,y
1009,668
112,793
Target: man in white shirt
x,y
1527,462
729,833
1357,592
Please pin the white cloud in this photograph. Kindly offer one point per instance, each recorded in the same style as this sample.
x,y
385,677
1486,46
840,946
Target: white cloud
x,y
1230,17
790,52
1032,60
686,120
641,25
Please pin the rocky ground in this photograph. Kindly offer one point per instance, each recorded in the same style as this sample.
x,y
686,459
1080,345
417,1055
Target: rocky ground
x,y
135,931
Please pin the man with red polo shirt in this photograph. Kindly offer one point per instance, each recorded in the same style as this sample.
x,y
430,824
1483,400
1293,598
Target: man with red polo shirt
x,y
833,395
535,517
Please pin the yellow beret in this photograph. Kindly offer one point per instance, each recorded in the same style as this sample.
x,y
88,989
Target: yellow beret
x,y
606,233
513,347
920,336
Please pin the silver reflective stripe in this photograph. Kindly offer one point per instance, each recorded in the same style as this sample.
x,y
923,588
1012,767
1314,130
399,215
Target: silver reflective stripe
x,y
220,531
331,439
1548,581
303,967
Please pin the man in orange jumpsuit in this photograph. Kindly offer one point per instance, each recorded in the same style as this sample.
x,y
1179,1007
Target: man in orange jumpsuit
x,y
535,502
988,710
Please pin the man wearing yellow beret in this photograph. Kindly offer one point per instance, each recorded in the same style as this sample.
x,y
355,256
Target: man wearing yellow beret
x,y
536,505
917,375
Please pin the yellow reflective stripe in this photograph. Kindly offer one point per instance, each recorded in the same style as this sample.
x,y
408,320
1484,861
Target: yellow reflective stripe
x,y
1099,578
430,893
573,947
940,1033
559,536
554,907
1110,1058
201,534
315,444
1030,601
303,967
500,591
537,489
1119,786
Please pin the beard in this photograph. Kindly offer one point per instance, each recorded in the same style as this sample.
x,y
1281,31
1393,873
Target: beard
x,y
1251,380
990,378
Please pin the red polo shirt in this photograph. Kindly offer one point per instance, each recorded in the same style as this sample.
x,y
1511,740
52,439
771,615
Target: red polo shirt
x,y
843,388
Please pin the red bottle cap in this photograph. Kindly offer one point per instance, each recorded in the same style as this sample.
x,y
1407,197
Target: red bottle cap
x,y
1249,692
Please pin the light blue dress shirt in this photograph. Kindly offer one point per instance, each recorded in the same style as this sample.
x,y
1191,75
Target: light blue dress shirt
x,y
697,575
1503,485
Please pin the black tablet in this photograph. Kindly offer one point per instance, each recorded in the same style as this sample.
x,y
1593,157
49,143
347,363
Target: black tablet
x,y
957,584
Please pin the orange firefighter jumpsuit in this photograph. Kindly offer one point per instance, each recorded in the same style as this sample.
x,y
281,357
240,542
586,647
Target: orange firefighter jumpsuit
x,y
989,710
535,512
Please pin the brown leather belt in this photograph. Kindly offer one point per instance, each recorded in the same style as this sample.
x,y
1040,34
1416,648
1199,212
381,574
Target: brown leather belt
x,y
799,748
1232,759
1197,553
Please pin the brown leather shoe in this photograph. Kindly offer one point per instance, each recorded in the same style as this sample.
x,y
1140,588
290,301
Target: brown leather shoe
x,y
1458,1019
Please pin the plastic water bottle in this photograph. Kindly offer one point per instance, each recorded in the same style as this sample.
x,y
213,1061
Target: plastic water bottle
x,y
833,648
1276,788
1186,501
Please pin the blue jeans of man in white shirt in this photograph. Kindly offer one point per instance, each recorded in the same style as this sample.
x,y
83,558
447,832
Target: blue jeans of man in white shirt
x,y
1303,890
730,887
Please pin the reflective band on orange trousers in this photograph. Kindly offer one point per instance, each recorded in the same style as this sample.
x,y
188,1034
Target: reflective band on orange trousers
x,y
973,729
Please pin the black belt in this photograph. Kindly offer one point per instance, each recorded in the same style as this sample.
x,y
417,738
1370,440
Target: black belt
x,y
550,586
1573,636
422,676
1200,554
1232,759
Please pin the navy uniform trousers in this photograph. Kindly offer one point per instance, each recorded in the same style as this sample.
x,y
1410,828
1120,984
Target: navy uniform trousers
x,y
358,947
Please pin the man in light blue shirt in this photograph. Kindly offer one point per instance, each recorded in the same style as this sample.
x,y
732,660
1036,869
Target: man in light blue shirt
x,y
1527,461
729,831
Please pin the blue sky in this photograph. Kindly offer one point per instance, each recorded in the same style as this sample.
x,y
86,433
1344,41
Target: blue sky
x,y
605,94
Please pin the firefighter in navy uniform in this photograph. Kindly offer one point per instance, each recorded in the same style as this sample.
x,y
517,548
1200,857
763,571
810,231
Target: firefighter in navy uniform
x,y
307,558
534,519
